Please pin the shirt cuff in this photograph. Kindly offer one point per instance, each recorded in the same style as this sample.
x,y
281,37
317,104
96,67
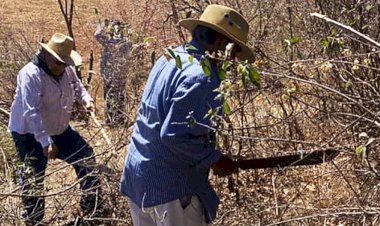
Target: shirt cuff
x,y
45,141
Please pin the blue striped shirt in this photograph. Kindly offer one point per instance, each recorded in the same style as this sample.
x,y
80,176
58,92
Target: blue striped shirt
x,y
168,159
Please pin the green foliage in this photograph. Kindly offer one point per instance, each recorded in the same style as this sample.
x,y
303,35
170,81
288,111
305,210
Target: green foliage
x,y
248,73
148,40
222,71
333,42
368,7
211,113
291,42
190,47
361,151
178,62
171,53
226,108
153,57
206,66
348,84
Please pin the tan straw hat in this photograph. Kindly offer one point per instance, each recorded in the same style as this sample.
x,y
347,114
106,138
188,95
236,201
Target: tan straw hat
x,y
61,47
225,21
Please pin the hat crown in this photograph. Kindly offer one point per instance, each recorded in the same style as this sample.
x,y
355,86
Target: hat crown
x,y
227,19
61,44
62,48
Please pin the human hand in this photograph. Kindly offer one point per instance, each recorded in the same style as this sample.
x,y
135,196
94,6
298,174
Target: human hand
x,y
50,151
224,166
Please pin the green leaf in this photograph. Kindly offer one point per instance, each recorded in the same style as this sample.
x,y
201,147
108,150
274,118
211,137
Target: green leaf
x,y
210,113
206,66
149,39
360,151
325,42
33,158
178,62
171,52
254,76
222,74
368,7
226,65
348,84
153,57
226,108
191,59
190,47
240,70
333,32
294,40
222,71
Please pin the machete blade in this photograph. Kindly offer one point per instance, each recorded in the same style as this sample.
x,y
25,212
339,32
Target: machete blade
x,y
313,158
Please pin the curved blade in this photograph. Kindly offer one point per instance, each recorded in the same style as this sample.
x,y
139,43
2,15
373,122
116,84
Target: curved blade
x,y
313,158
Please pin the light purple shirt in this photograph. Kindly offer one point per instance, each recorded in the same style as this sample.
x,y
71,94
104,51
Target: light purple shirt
x,y
42,105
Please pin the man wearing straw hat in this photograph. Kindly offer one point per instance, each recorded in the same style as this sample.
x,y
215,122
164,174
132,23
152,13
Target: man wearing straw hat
x,y
166,169
39,123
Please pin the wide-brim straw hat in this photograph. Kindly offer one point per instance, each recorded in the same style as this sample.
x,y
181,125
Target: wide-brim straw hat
x,y
226,21
61,47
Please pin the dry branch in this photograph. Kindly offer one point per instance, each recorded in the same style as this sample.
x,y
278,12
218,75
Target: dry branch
x,y
4,112
361,35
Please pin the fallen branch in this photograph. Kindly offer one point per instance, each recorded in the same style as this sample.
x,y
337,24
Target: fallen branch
x,y
4,112
102,131
328,20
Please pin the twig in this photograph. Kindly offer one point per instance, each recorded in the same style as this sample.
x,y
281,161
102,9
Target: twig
x,y
5,112
102,131
328,20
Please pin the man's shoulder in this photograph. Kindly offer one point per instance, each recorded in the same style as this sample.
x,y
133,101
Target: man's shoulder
x,y
30,69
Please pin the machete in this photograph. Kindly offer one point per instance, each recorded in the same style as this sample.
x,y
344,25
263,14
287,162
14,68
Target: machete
x,y
312,158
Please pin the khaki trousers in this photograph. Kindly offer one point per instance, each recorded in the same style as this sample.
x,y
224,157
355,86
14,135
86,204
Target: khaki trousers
x,y
187,211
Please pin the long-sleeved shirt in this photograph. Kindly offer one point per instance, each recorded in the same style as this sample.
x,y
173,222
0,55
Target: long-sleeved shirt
x,y
113,64
167,158
43,104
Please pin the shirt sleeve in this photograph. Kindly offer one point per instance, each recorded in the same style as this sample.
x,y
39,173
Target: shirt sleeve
x,y
191,143
80,91
100,34
31,92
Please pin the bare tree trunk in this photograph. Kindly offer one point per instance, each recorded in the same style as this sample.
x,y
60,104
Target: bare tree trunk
x,y
68,16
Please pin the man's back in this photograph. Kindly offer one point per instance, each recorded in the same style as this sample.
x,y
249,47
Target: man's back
x,y
167,158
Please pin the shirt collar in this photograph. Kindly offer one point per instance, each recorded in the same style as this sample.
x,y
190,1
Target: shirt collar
x,y
39,61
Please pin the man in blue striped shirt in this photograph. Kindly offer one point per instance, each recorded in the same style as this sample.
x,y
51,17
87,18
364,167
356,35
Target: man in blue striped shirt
x,y
166,169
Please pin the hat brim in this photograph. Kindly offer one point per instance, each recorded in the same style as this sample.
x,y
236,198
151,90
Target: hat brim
x,y
245,53
75,59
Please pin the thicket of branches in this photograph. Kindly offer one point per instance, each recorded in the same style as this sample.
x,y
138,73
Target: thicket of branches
x,y
319,88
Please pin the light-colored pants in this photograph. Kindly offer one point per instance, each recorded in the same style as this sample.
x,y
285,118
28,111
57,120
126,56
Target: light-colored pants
x,y
187,211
